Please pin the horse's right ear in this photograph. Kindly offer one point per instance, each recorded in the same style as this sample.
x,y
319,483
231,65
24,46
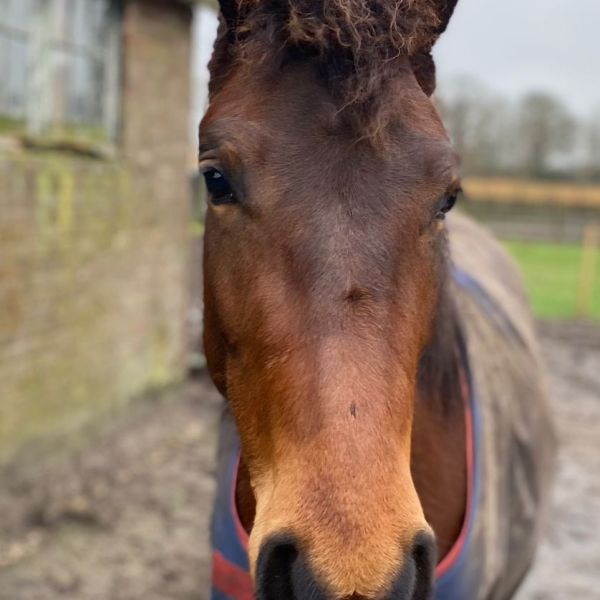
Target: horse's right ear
x,y
446,8
422,62
229,10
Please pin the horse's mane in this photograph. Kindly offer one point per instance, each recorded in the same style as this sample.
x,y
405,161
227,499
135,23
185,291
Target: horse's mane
x,y
356,44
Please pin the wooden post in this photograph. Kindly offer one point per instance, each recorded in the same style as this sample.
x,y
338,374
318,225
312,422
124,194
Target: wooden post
x,y
587,269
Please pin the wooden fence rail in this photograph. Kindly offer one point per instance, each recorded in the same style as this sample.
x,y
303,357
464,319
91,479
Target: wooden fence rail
x,y
529,192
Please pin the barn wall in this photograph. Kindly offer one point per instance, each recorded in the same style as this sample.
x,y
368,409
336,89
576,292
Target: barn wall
x,y
94,252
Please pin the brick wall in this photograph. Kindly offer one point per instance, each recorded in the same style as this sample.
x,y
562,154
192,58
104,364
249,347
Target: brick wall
x,y
94,253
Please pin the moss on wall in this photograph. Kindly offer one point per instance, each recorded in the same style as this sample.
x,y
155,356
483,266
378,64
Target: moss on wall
x,y
92,292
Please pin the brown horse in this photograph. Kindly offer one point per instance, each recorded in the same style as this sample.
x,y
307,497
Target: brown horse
x,y
333,325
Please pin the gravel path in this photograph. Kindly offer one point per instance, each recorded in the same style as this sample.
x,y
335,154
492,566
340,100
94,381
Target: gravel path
x,y
128,518
568,563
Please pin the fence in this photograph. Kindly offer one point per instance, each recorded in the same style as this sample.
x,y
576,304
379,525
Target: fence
x,y
546,212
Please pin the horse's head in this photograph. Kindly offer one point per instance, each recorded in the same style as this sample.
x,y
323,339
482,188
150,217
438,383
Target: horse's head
x,y
329,173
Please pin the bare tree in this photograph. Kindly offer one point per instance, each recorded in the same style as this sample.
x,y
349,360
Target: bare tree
x,y
545,130
479,123
591,146
535,136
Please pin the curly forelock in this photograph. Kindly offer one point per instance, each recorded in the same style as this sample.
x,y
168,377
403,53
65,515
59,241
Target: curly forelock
x,y
357,43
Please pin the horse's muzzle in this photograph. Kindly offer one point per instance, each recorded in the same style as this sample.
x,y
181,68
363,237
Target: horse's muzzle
x,y
283,573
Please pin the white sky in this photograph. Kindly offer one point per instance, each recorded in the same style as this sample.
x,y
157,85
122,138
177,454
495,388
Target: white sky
x,y
515,46
511,46
205,30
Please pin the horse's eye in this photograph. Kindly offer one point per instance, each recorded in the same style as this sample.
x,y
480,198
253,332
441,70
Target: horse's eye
x,y
447,204
218,187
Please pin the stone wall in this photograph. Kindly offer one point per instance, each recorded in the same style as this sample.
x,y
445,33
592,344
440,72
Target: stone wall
x,y
94,252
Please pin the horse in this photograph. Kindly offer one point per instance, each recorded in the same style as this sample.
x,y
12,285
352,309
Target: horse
x,y
386,433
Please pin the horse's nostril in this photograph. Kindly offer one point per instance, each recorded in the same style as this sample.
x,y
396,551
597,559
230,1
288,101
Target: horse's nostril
x,y
274,569
282,572
424,556
415,581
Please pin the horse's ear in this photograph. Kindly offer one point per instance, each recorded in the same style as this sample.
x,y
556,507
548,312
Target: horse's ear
x,y
446,8
424,69
229,10
422,63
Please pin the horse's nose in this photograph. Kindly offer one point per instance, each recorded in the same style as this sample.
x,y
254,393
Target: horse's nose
x,y
415,581
284,574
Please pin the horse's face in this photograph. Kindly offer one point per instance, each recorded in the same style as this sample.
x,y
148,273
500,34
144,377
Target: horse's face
x,y
323,264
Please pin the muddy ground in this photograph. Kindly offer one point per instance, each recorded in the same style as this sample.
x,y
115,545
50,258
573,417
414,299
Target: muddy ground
x,y
127,519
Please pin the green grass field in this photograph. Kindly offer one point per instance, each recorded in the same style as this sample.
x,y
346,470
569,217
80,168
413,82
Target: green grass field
x,y
551,273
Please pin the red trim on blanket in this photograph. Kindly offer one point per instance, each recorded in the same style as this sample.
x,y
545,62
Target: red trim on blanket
x,y
450,559
230,580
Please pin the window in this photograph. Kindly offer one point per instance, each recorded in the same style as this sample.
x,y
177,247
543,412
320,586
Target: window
x,y
59,64
14,45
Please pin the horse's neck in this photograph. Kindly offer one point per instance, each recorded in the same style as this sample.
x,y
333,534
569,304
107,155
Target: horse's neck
x,y
438,458
438,463
244,497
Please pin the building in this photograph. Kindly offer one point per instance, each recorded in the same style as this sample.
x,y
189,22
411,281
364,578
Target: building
x,y
94,210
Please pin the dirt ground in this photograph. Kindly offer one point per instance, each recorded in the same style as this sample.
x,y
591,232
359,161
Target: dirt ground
x,y
127,519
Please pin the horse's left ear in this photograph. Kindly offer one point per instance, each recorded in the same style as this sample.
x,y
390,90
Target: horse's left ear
x,y
422,62
229,10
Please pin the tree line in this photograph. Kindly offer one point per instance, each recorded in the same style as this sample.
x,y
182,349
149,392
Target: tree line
x,y
535,136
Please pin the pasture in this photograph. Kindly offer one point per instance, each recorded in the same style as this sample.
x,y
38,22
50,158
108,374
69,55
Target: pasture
x,y
552,230
551,273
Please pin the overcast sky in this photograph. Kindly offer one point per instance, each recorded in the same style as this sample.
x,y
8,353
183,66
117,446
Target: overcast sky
x,y
515,46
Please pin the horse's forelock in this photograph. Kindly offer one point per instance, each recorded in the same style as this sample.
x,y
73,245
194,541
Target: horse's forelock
x,y
363,27
356,43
